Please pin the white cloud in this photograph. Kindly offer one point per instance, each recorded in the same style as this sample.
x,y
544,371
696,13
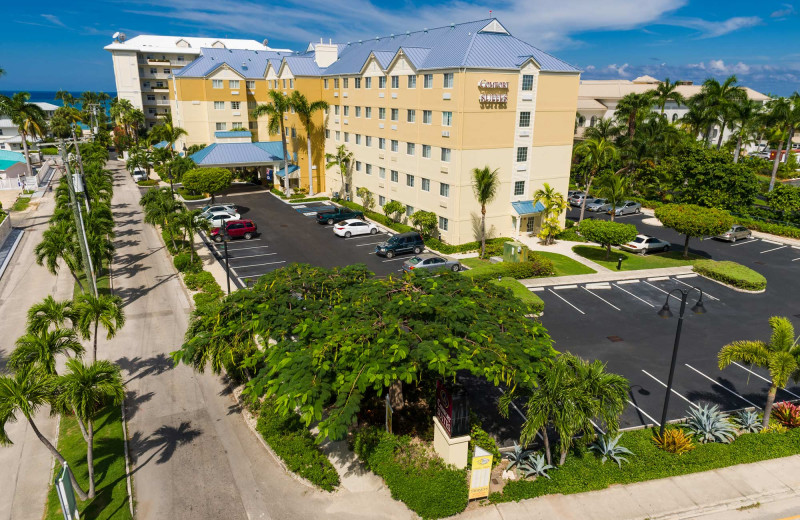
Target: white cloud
x,y
719,67
709,29
621,70
53,19
788,10
590,67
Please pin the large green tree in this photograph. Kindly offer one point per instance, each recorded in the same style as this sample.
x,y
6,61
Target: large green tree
x,y
607,233
554,205
51,313
779,117
305,111
597,154
485,183
41,349
694,221
167,131
207,180
633,108
615,189
93,311
667,91
341,159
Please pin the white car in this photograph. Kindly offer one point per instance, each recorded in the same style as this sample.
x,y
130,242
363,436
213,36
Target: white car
x,y
216,218
354,226
139,175
646,244
216,210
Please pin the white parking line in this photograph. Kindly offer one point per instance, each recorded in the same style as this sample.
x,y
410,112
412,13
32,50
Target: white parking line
x,y
558,288
220,244
773,249
369,244
753,241
394,259
641,300
565,301
257,265
368,235
643,413
796,259
764,378
598,286
704,293
673,390
536,289
723,386
658,279
690,275
662,290
627,281
251,256
603,299
770,242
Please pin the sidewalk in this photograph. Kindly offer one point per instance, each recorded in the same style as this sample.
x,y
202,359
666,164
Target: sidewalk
x,y
607,276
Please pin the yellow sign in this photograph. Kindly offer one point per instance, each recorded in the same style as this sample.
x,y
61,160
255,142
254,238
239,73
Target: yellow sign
x,y
481,473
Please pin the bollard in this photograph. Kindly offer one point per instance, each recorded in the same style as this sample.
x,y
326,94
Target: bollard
x,y
619,263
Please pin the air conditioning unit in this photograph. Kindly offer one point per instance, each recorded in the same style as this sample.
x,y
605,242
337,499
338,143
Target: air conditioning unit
x,y
345,122
446,133
444,170
380,125
446,95
394,95
381,156
335,94
394,127
234,92
344,94
381,94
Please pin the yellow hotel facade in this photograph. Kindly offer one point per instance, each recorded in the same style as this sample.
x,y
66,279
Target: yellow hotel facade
x,y
418,111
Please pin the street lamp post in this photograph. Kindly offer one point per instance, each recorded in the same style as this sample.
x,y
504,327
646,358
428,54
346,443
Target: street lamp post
x,y
698,308
169,174
225,237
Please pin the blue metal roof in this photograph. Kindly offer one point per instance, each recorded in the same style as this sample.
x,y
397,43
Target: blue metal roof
x,y
162,144
526,207
233,133
292,168
235,154
304,65
250,64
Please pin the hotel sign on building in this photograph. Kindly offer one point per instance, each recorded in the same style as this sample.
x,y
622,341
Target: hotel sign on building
x,y
493,97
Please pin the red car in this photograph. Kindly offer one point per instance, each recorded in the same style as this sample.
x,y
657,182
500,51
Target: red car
x,y
236,229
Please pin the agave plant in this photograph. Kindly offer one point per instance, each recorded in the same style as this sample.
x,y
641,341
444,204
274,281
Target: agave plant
x,y
609,448
517,457
748,421
535,465
787,414
709,424
674,440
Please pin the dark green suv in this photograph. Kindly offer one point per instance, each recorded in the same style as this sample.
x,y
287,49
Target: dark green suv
x,y
334,215
410,242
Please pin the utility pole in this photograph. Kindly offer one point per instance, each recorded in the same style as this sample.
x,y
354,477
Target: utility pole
x,y
86,258
80,162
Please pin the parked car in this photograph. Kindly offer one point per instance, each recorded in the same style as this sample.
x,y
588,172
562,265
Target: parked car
x,y
216,209
230,208
354,226
337,214
430,261
597,205
626,208
236,228
577,198
646,244
216,218
139,175
410,242
735,233
570,193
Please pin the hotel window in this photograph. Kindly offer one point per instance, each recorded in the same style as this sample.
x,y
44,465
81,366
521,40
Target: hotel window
x,y
358,166
427,81
412,82
146,84
368,112
327,134
524,119
395,112
358,111
381,143
235,105
448,80
284,83
159,84
347,137
167,71
180,58
236,125
221,127
527,82
395,177
153,71
381,200
325,83
294,132
345,82
233,83
291,83
336,83
410,148
358,138
444,189
411,116
446,154
410,181
447,119
368,140
151,110
368,169
381,113
219,105
251,105
336,110
409,210
358,82
395,145
382,82
253,125
519,188
426,151
367,82
427,117
346,110
338,135
216,83
443,223
151,98
522,153
395,81
426,184
251,84
382,174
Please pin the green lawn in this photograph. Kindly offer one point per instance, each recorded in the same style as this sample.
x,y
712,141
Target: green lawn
x,y
111,499
21,204
520,291
563,265
632,262
103,283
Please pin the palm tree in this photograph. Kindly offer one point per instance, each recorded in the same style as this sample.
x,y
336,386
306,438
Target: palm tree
x,y
597,154
93,311
794,122
278,106
605,128
632,108
41,348
781,356
554,203
665,92
27,390
719,98
86,390
159,208
778,116
66,97
133,120
99,235
190,223
342,158
166,131
744,116
698,118
2,72
485,184
305,111
59,243
615,188
50,313
28,117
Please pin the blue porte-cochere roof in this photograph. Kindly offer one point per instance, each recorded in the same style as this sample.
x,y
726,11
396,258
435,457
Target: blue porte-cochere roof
x,y
240,154
527,207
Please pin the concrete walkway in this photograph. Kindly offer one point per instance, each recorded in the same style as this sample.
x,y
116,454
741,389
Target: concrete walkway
x,y
562,247
607,276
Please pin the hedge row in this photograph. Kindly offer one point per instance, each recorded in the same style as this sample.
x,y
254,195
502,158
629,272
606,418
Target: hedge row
x,y
293,443
651,204
731,273
427,485
50,150
187,195
767,227
148,182
535,266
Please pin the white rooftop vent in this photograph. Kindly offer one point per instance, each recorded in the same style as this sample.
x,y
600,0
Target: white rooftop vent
x,y
494,27
265,42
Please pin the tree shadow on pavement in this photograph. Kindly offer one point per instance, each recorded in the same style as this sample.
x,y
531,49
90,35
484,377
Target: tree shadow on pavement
x,y
134,401
163,442
138,368
131,294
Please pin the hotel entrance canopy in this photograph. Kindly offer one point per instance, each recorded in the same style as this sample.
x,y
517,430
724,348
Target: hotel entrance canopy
x,y
236,155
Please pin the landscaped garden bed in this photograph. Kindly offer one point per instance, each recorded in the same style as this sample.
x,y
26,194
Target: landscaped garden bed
x,y
731,273
633,262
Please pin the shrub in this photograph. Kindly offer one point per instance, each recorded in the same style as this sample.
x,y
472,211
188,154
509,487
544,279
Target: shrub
x,y
731,273
571,235
207,180
427,485
185,263
202,281
748,421
292,442
674,440
204,299
536,266
393,209
775,428
479,437
21,204
425,222
709,424
607,233
771,228
517,457
49,150
787,414
366,197
609,448
279,193
148,182
694,221
535,465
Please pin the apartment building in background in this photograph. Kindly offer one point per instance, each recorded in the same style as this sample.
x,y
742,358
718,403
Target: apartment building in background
x,y
9,132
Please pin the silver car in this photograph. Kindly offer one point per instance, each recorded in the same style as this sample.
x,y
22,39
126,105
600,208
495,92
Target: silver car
x,y
597,205
577,199
430,261
626,208
736,233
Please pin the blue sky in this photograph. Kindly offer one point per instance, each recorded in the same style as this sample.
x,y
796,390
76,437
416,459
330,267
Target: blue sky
x,y
60,44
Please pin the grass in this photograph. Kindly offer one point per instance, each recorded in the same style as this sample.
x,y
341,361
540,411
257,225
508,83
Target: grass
x,y
584,472
566,266
520,291
731,273
111,499
21,204
633,262
183,192
2,216
103,283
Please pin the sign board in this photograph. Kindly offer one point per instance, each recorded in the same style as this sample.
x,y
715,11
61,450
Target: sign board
x,y
481,473
493,97
452,410
66,495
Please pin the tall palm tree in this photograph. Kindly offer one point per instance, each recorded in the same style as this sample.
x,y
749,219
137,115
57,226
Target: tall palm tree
x,y
615,189
41,349
485,183
60,243
159,208
744,116
191,224
666,91
25,392
93,311
793,123
134,120
342,158
50,313
274,110
29,119
167,131
554,204
597,153
632,108
66,98
305,111
779,117
85,390
605,128
719,98
781,356
698,118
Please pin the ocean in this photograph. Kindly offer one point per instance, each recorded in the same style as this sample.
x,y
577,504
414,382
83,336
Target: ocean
x,y
49,96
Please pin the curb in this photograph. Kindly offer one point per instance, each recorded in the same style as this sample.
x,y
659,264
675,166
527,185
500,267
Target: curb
x,y
11,252
731,287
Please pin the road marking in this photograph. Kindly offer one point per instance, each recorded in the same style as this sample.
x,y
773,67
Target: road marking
x,y
795,247
597,286
250,256
299,206
600,298
722,386
796,259
690,275
704,293
257,265
565,301
220,244
773,249
765,379
673,390
369,244
662,290
536,289
396,259
627,281
365,235
643,412
240,248
641,300
748,242
770,242
658,279
558,288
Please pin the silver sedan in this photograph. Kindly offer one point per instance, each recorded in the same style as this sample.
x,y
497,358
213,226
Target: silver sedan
x,y
736,233
597,205
626,208
430,261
